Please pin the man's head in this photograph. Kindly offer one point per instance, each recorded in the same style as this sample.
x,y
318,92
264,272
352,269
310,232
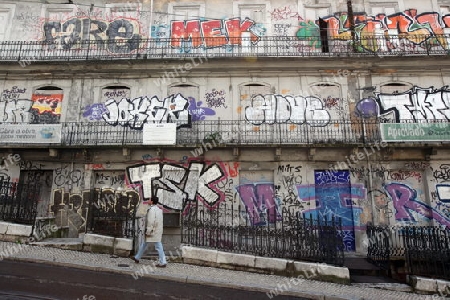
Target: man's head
x,y
154,200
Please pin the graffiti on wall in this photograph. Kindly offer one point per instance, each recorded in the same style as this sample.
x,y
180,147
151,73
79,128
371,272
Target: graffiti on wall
x,y
94,112
67,176
260,203
175,184
75,206
409,208
334,197
284,13
136,112
212,33
415,104
197,111
46,109
275,109
426,29
215,98
13,108
288,177
117,36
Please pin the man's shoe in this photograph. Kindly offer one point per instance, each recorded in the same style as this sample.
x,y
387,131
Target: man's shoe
x,y
160,266
135,259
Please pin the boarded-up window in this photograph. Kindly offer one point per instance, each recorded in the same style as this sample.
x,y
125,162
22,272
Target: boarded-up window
x,y
47,104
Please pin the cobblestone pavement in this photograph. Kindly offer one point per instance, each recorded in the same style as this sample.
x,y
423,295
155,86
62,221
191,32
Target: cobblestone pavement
x,y
271,284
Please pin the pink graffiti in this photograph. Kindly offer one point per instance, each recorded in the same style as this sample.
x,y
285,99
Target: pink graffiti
x,y
284,13
258,199
405,200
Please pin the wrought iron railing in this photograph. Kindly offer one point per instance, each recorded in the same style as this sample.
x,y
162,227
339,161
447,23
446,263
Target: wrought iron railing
x,y
271,233
266,46
18,202
220,132
425,249
112,214
212,133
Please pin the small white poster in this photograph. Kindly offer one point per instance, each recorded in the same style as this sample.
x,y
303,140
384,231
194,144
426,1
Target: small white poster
x,y
160,134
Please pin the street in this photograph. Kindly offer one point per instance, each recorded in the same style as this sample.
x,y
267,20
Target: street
x,y
22,280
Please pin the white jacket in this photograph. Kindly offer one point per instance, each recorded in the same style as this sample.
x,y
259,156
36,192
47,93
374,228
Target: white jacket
x,y
154,225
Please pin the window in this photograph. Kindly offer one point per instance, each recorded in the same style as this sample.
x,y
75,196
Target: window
x,y
117,92
253,12
6,13
387,8
248,91
46,107
315,12
184,13
394,88
60,28
444,10
123,11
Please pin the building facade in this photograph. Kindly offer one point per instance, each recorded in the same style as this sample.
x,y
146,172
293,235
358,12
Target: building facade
x,y
265,104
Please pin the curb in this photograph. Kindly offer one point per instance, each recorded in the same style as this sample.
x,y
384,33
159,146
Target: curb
x,y
182,279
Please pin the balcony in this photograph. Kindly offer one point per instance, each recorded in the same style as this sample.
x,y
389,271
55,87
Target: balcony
x,y
229,133
266,46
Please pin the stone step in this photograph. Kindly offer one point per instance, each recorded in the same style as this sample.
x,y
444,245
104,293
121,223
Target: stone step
x,y
61,243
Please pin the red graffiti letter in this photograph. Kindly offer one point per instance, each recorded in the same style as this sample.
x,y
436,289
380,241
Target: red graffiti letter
x,y
212,34
235,28
191,31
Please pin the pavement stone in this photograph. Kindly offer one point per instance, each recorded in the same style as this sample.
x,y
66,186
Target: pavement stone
x,y
270,284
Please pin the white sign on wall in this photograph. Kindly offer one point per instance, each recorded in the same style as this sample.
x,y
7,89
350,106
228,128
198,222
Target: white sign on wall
x,y
30,133
160,134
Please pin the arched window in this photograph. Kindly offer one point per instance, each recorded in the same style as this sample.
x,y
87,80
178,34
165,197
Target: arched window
x,y
394,88
46,107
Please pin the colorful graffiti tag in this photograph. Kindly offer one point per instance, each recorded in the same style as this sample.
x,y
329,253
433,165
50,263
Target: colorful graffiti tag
x,y
260,204
46,108
417,29
335,197
211,33
408,207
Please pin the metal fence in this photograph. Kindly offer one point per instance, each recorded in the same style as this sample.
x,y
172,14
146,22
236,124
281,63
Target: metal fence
x,y
282,234
112,214
18,202
223,132
425,249
266,46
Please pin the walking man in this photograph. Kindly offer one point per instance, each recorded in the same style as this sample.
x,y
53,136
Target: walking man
x,y
153,233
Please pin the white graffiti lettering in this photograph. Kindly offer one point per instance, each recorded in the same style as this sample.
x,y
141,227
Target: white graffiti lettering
x,y
271,109
16,111
418,104
136,112
174,185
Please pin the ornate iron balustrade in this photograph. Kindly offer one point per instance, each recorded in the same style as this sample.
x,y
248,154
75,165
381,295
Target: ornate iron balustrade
x,y
18,202
214,133
209,134
425,249
267,46
272,233
112,214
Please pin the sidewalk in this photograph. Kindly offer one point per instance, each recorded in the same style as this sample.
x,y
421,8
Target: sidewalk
x,y
271,284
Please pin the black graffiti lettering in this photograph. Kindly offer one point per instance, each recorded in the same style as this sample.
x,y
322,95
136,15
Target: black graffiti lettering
x,y
96,33
51,30
121,37
73,28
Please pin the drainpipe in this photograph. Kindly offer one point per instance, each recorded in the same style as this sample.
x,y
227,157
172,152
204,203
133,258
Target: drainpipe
x,y
351,20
